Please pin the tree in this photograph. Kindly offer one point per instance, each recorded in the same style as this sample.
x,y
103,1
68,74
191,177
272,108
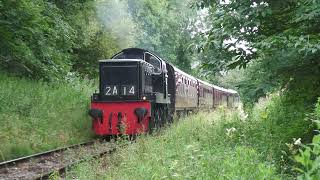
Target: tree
x,y
164,28
32,42
281,43
46,39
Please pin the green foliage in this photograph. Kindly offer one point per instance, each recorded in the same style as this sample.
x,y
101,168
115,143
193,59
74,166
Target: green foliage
x,y
229,79
275,122
93,40
278,42
38,116
164,27
45,39
25,27
309,156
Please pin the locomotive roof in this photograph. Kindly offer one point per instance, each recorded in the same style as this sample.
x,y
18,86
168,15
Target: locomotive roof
x,y
141,50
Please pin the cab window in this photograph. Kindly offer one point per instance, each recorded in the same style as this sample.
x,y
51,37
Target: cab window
x,y
153,61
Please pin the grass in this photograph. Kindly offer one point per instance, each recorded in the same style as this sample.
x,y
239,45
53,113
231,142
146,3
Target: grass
x,y
38,116
202,146
308,158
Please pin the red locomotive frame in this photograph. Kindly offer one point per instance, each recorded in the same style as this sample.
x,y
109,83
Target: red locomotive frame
x,y
121,118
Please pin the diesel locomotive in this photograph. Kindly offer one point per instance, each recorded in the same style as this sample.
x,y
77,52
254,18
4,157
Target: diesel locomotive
x,y
140,92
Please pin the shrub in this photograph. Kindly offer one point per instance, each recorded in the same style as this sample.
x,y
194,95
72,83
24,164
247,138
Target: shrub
x,y
273,123
308,157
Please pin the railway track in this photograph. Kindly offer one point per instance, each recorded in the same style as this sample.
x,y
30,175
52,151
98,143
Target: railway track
x,y
41,165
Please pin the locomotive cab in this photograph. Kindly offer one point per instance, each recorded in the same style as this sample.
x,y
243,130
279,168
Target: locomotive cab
x,y
124,80
158,84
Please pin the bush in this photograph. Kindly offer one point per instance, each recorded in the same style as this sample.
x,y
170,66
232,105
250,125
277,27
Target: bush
x,y
273,124
308,158
38,116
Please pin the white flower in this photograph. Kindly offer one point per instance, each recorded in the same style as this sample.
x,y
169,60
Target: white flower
x,y
230,131
297,142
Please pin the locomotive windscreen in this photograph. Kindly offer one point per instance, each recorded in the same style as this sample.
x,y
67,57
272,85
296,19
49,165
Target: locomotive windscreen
x,y
119,80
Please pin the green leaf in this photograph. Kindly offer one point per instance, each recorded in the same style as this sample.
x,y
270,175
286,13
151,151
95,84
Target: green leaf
x,y
316,139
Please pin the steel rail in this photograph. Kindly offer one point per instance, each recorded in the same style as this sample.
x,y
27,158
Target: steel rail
x,y
62,170
25,158
52,161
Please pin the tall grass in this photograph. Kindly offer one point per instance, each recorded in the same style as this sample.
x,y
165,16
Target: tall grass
x,y
308,157
37,116
198,147
203,146
274,125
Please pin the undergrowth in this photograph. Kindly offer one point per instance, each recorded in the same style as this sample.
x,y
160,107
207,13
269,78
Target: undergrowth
x,y
273,126
201,146
37,116
308,158
198,147
216,145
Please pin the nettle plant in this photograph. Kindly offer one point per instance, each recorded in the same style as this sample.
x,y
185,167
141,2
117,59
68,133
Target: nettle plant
x,y
309,156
